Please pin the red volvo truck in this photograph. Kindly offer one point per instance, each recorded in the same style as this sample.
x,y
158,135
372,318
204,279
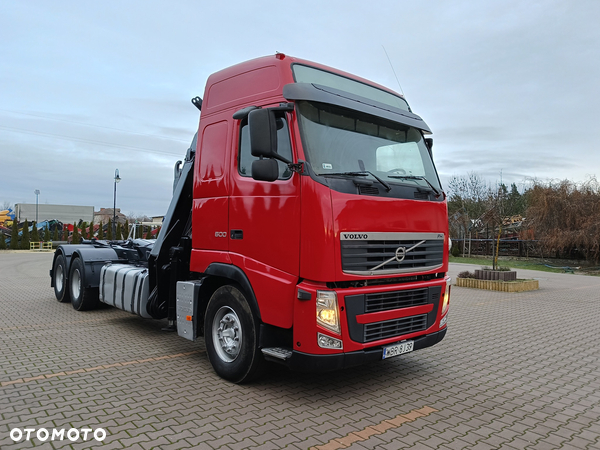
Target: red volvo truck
x,y
307,227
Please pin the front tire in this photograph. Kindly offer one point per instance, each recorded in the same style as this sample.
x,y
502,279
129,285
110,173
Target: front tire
x,y
82,298
231,335
59,279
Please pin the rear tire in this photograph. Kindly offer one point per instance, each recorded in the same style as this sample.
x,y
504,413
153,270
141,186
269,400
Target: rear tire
x,y
231,336
82,298
59,279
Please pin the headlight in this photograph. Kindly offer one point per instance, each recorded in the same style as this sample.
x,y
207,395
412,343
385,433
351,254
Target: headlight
x,y
327,310
446,298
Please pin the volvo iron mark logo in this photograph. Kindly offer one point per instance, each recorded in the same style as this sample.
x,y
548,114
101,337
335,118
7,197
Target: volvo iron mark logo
x,y
400,254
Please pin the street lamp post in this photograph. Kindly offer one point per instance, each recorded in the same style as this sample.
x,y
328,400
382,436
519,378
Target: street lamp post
x,y
37,193
117,179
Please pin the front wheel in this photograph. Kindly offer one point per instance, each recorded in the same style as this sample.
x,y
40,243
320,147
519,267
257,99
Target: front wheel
x,y
82,298
231,335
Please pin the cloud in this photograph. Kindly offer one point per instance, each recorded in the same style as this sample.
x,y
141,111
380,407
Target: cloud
x,y
506,86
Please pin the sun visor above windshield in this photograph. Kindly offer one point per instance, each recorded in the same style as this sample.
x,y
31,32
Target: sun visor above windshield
x,y
332,96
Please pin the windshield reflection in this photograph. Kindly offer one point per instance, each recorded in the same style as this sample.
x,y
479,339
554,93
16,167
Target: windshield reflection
x,y
338,142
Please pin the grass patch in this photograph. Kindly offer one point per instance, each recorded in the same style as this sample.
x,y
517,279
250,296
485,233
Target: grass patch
x,y
513,264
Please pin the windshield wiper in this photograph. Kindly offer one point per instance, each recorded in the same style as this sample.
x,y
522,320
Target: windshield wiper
x,y
362,173
417,177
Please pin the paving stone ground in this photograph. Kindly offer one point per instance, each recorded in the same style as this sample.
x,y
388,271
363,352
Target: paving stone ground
x,y
516,371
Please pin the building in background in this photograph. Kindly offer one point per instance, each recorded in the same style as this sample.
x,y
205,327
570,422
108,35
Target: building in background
x,y
63,213
107,213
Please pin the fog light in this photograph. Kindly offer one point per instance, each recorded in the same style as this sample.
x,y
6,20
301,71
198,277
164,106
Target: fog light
x,y
325,341
327,310
444,321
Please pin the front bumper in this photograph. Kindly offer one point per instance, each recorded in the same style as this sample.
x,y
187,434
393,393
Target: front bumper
x,y
304,362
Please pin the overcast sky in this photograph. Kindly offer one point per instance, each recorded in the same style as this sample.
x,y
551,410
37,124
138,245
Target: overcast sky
x,y
508,87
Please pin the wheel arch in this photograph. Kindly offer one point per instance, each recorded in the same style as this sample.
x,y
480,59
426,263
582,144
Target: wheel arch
x,y
93,259
221,274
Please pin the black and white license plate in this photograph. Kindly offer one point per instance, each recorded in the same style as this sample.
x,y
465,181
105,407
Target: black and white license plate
x,y
398,349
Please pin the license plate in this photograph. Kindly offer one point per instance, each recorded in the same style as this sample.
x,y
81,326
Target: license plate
x,y
398,349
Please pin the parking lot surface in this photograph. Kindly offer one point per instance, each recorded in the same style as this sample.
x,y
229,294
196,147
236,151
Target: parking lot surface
x,y
515,371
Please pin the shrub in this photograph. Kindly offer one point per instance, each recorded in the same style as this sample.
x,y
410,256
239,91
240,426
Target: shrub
x,y
455,251
25,236
109,232
35,236
14,237
75,238
466,274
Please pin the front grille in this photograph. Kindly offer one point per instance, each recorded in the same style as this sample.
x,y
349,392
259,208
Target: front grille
x,y
395,300
418,252
364,304
396,327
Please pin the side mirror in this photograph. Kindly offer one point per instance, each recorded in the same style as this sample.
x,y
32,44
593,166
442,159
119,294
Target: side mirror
x,y
263,133
429,144
265,170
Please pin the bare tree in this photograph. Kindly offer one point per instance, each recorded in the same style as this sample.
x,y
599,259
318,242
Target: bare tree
x,y
565,216
468,198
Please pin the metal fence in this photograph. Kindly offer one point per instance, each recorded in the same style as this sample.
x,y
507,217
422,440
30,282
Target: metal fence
x,y
508,247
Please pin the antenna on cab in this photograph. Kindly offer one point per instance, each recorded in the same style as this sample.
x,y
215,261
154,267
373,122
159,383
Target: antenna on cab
x,y
398,81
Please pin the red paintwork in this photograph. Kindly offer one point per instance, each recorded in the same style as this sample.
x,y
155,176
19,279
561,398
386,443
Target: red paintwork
x,y
306,328
393,314
290,227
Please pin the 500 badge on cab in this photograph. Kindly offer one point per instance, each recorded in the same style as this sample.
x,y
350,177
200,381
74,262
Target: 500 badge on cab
x,y
220,234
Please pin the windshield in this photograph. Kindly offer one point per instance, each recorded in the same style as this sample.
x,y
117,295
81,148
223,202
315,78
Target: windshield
x,y
338,140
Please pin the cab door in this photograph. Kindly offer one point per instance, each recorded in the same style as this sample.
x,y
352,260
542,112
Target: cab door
x,y
264,225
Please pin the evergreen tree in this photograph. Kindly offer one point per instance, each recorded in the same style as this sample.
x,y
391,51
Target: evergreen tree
x,y
2,242
35,235
126,230
14,236
47,237
76,239
65,236
101,231
109,233
91,230
55,233
149,233
25,236
119,232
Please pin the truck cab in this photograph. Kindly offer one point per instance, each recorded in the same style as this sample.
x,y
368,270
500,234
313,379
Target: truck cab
x,y
308,225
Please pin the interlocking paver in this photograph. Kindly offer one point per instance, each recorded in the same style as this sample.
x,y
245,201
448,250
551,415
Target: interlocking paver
x,y
515,371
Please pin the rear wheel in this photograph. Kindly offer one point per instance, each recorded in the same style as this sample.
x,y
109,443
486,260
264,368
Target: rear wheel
x,y
82,298
59,278
231,335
